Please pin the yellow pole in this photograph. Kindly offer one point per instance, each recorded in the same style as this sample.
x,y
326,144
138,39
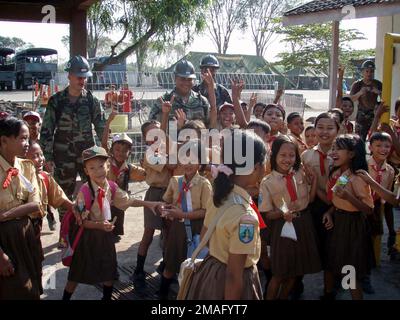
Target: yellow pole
x,y
388,59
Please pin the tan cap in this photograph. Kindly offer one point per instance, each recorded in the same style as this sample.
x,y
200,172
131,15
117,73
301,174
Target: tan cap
x,y
226,105
94,152
122,137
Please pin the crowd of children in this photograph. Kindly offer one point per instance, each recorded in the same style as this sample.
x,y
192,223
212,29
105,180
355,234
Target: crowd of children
x,y
308,199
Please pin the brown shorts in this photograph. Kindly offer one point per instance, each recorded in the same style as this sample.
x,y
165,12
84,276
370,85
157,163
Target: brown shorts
x,y
151,221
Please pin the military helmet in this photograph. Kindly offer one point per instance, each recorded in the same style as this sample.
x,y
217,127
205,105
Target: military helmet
x,y
79,67
185,69
209,61
368,64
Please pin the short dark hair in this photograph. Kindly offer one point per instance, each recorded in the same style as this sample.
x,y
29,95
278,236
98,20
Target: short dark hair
x,y
397,105
339,112
148,123
380,136
326,115
276,146
292,116
260,124
11,126
309,128
277,106
349,100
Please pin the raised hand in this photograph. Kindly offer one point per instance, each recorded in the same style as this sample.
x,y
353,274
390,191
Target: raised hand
x,y
166,106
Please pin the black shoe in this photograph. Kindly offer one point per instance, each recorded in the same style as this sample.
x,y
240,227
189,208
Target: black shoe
x,y
117,238
139,279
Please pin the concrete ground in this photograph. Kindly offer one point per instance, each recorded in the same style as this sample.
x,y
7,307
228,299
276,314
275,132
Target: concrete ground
x,y
386,279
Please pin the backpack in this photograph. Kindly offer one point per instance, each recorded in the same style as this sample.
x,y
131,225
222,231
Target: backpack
x,y
69,220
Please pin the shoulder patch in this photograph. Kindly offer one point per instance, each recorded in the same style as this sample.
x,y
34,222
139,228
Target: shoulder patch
x,y
246,232
237,199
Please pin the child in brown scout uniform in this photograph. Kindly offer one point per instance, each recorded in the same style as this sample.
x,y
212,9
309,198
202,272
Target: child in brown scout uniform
x,y
50,192
295,124
20,253
122,173
274,115
95,260
188,196
352,201
229,271
286,194
317,159
158,174
310,137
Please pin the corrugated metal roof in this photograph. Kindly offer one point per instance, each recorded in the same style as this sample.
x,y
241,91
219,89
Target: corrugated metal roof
x,y
324,5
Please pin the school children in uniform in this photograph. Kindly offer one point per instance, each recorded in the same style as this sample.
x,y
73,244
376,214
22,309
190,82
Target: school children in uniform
x,y
95,260
229,271
122,173
274,115
295,125
286,194
318,159
187,196
380,145
309,137
20,253
347,107
50,192
351,198
158,174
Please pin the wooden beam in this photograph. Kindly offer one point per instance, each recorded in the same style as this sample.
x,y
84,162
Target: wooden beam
x,y
31,12
333,85
78,33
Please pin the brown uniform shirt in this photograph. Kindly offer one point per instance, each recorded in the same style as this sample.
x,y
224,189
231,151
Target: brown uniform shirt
x,y
311,158
387,174
117,174
358,188
157,175
237,231
121,200
200,191
300,143
273,189
21,190
54,197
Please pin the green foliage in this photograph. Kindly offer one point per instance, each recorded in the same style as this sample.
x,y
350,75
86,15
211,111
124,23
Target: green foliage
x,y
14,43
310,46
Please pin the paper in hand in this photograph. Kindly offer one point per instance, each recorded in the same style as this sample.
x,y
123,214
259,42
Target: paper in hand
x,y
288,231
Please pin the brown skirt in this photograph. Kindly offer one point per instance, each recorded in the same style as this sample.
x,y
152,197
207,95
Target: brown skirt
x,y
150,219
95,258
18,241
208,282
176,244
349,244
291,258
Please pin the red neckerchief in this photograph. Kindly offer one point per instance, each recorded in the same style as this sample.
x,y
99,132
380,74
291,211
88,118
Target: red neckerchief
x,y
290,186
100,198
322,157
331,183
260,219
185,188
378,179
12,172
349,126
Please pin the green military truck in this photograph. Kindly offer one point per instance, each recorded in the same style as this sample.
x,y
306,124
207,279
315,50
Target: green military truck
x,y
35,65
7,69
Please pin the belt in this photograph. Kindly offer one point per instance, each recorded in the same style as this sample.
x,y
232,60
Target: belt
x,y
298,214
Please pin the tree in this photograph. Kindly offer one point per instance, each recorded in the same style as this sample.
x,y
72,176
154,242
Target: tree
x,y
14,43
310,45
225,16
146,20
263,21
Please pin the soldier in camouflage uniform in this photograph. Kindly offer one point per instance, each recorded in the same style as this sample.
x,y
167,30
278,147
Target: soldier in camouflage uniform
x,y
211,63
193,104
366,91
67,127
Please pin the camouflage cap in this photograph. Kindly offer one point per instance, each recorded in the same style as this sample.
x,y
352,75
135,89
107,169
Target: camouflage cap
x,y
94,152
123,137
